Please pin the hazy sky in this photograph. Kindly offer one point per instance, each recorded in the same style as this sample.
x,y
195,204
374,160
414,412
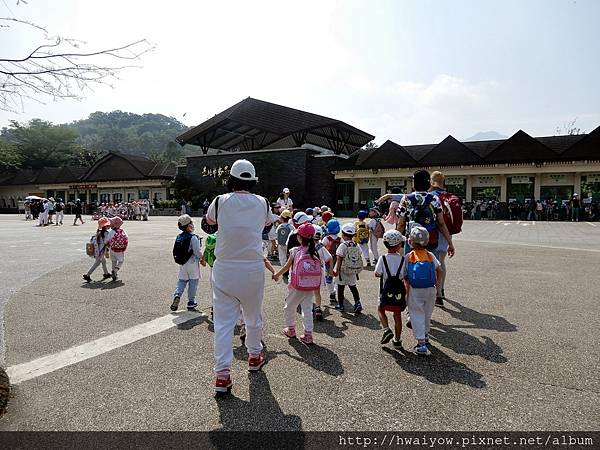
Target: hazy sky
x,y
411,71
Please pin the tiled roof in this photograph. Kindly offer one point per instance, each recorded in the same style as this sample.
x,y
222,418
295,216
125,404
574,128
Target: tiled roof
x,y
586,148
521,147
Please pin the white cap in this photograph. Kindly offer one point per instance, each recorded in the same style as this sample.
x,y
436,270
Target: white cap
x,y
301,217
349,228
318,231
286,191
419,235
243,170
393,237
184,220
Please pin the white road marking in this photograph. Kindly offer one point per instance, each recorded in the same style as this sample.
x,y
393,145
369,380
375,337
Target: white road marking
x,y
592,224
499,222
595,250
507,224
50,363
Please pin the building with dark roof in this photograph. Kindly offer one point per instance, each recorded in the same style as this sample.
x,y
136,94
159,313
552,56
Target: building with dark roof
x,y
518,168
115,177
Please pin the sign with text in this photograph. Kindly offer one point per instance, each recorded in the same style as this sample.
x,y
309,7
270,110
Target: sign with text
x,y
454,181
83,186
485,180
396,182
370,182
593,177
520,179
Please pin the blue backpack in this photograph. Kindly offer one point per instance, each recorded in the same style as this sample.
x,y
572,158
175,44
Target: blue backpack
x,y
423,213
420,272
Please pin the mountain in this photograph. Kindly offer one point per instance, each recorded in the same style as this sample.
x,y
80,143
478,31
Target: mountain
x,y
486,136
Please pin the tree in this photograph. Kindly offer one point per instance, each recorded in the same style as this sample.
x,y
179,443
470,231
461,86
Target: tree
x,y
57,67
10,159
569,128
39,143
371,146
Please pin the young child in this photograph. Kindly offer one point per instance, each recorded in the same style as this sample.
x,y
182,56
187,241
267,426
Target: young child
x,y
305,278
376,231
392,291
326,260
331,241
101,243
118,244
348,265
187,253
325,217
283,232
362,235
422,273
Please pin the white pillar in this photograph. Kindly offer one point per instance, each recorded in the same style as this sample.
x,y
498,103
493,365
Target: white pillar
x,y
537,186
355,193
577,184
502,179
469,188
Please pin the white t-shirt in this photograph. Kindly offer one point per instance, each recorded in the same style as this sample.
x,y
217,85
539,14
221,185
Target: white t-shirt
x,y
285,203
324,255
241,218
273,230
393,260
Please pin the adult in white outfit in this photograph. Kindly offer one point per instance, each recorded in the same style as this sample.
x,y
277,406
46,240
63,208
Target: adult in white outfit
x,y
238,278
284,200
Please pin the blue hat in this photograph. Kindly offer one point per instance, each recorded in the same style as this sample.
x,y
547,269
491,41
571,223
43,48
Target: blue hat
x,y
362,214
333,226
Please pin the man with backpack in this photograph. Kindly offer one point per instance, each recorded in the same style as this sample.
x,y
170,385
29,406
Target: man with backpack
x,y
452,210
59,207
423,208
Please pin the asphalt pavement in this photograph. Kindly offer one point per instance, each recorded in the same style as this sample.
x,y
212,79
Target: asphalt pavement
x,y
513,349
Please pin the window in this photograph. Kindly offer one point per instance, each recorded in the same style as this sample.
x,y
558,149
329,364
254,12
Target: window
x,y
344,197
591,187
117,197
72,198
94,197
104,198
485,193
130,196
520,188
145,194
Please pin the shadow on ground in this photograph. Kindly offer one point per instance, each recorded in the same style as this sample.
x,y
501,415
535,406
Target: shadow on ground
x,y
479,320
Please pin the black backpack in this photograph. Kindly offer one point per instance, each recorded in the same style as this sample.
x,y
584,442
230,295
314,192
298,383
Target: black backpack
x,y
392,292
182,251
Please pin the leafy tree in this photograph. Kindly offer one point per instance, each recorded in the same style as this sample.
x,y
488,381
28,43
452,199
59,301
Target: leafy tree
x,y
10,159
39,143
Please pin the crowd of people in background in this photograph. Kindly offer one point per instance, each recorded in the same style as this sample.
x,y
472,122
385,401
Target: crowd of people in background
x,y
135,210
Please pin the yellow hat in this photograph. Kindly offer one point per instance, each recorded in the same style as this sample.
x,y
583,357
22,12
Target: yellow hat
x,y
286,214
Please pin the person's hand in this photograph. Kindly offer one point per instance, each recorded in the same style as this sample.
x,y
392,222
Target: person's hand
x,y
334,273
202,262
450,250
275,277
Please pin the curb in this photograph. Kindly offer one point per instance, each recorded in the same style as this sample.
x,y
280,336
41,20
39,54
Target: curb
x,y
4,391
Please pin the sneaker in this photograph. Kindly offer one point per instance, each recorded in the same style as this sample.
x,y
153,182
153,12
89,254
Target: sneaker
x,y
357,308
255,362
223,385
408,324
289,332
307,338
439,301
387,336
87,278
318,313
368,263
422,350
332,299
175,304
397,343
114,275
106,276
339,307
426,339
191,306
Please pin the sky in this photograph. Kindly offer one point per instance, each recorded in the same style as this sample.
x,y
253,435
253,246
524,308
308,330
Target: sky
x,y
409,71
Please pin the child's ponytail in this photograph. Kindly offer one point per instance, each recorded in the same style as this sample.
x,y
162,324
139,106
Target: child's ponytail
x,y
312,249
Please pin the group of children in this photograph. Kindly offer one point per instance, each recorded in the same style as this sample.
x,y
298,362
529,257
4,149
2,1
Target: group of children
x,y
110,241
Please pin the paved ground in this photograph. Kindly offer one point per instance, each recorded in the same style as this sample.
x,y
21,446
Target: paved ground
x,y
515,347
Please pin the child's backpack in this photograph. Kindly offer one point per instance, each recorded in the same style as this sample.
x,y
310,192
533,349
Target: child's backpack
x,y
353,262
181,249
332,245
306,272
452,208
420,269
90,248
283,232
379,230
392,293
362,233
209,249
422,212
119,241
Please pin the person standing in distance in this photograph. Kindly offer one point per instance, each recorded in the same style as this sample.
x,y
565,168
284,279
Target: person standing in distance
x,y
238,279
284,200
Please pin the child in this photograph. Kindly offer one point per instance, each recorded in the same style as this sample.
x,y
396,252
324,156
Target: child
x,y
362,235
187,253
272,235
376,231
118,245
331,241
422,272
392,291
326,259
305,277
283,232
101,242
348,265
325,217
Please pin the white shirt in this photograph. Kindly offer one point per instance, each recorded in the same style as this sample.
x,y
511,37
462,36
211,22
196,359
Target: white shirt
x,y
286,203
324,256
393,261
241,218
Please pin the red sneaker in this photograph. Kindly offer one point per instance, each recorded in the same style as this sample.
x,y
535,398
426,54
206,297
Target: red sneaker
x,y
255,362
223,385
307,338
289,332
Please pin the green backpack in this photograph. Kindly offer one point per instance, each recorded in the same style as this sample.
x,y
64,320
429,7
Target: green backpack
x,y
209,249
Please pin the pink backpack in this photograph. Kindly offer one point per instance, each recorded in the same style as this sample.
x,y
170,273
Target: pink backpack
x,y
119,241
306,271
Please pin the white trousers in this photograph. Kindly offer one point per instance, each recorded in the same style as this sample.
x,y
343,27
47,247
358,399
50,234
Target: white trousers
x,y
236,287
117,259
282,253
364,248
373,243
293,299
60,215
420,307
